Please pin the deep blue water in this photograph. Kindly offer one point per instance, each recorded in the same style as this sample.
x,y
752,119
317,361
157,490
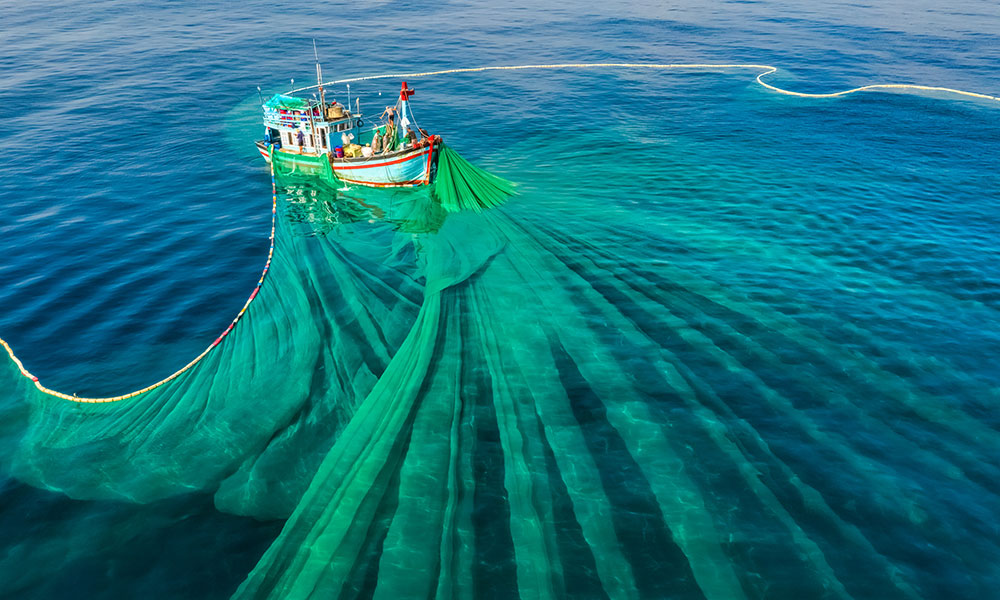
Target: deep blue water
x,y
858,233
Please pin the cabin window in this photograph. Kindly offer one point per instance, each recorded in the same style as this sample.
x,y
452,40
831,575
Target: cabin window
x,y
288,138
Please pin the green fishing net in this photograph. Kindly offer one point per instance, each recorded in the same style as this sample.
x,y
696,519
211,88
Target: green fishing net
x,y
461,185
337,311
331,326
466,405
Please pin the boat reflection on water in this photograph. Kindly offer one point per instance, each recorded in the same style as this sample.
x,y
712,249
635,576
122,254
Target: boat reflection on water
x,y
326,209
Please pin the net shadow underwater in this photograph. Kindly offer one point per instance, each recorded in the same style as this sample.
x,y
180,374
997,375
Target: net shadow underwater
x,y
459,404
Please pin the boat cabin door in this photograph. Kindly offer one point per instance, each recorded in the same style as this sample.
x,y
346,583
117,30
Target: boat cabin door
x,y
273,136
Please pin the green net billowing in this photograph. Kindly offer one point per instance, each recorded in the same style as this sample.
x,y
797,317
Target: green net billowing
x,y
254,418
457,405
482,376
461,185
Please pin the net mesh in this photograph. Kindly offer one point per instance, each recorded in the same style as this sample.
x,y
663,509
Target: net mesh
x,y
235,422
447,404
461,185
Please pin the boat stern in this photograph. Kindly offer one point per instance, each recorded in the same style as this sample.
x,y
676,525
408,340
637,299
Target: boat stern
x,y
264,148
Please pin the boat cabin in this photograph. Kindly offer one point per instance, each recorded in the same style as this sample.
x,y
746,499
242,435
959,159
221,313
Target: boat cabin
x,y
305,126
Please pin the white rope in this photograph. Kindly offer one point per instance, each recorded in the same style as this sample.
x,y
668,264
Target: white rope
x,y
767,70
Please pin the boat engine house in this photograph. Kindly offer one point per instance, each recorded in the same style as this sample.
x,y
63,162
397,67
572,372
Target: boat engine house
x,y
308,127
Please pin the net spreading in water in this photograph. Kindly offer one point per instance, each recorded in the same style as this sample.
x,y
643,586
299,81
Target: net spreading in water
x,y
459,406
451,404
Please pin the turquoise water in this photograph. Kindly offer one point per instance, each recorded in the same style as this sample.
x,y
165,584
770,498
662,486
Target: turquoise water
x,y
747,339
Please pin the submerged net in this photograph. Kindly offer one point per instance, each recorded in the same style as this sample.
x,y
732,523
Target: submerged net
x,y
304,166
458,184
253,419
461,405
461,185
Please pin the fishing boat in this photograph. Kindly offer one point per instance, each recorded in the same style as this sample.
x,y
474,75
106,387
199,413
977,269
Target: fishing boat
x,y
304,133
329,139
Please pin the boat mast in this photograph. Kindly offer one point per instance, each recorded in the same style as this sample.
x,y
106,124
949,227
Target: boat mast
x,y
313,133
404,108
319,79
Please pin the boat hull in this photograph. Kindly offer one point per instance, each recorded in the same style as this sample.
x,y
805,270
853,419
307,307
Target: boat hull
x,y
403,168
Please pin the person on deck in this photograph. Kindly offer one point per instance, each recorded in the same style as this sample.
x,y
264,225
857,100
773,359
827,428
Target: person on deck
x,y
389,138
301,136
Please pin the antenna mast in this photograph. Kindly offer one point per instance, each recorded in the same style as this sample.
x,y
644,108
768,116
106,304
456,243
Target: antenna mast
x,y
319,79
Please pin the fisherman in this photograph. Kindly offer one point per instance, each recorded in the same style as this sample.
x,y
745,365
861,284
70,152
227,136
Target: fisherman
x,y
411,138
377,143
301,136
389,138
390,113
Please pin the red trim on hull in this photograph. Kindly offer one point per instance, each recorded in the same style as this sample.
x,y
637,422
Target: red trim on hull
x,y
337,167
419,153
430,156
410,183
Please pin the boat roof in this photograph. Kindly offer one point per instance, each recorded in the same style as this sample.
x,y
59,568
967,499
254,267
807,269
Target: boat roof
x,y
284,102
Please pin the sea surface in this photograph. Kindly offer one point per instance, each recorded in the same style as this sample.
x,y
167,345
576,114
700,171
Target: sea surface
x,y
771,323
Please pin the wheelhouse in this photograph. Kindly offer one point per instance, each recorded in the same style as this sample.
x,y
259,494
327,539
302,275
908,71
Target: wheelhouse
x,y
304,126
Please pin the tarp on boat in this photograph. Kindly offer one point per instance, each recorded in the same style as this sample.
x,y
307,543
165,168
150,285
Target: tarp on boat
x,y
283,102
